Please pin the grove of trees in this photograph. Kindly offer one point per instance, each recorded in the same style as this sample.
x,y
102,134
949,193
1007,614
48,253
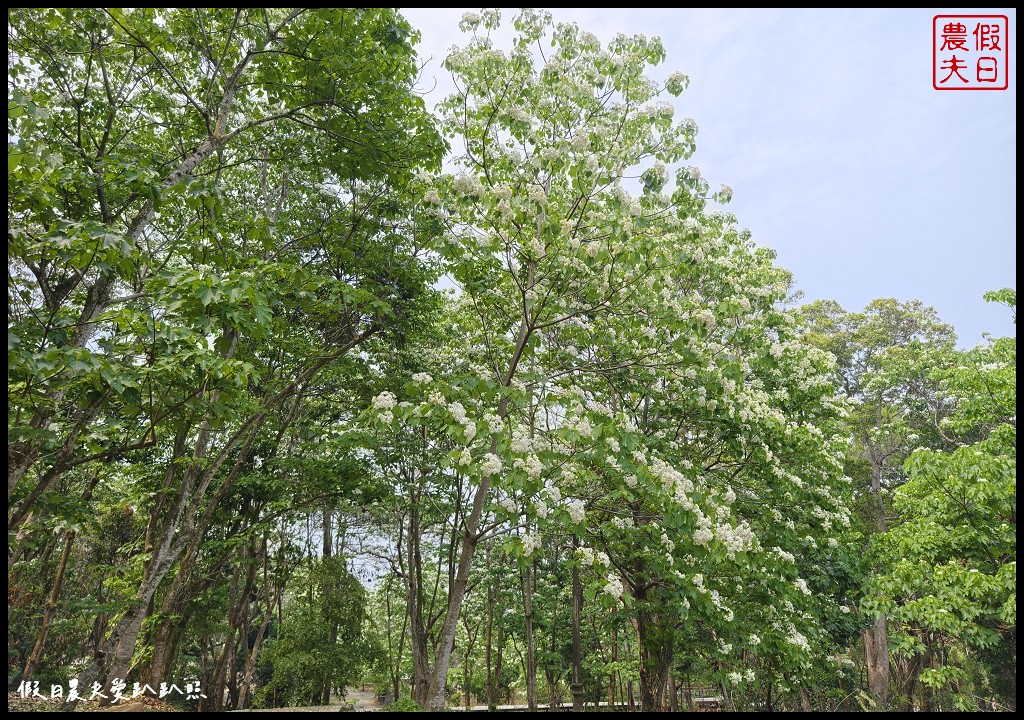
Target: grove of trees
x,y
311,386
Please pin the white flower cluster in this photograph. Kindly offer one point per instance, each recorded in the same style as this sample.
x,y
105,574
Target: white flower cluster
x,y
703,535
533,466
385,401
705,316
583,427
422,377
468,426
736,539
493,423
662,109
491,464
469,185
788,557
553,492
799,640
754,641
576,510
622,523
801,585
716,599
509,506
613,586
541,507
537,195
677,82
530,543
671,479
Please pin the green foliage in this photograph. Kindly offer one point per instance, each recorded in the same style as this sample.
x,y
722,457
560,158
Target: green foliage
x,y
951,571
320,642
402,704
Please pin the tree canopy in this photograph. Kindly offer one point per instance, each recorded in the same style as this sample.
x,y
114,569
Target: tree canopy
x,y
311,386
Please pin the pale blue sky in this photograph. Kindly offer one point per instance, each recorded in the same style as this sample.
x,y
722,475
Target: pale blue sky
x,y
865,180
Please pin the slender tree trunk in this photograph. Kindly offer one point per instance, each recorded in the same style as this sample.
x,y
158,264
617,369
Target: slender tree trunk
x,y
489,636
471,538
526,584
244,699
328,551
165,648
51,608
549,674
500,645
577,650
415,600
805,699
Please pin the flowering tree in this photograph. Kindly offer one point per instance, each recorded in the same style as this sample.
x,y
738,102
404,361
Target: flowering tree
x,y
628,364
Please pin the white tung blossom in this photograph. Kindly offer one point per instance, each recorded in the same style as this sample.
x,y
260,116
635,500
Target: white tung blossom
x,y
576,510
493,422
385,401
422,378
491,464
799,640
613,586
530,543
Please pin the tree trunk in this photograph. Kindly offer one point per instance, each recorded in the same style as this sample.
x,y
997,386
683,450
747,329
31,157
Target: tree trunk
x,y
244,699
654,637
471,538
165,647
577,651
526,583
328,551
490,632
415,602
50,610
437,690
876,653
